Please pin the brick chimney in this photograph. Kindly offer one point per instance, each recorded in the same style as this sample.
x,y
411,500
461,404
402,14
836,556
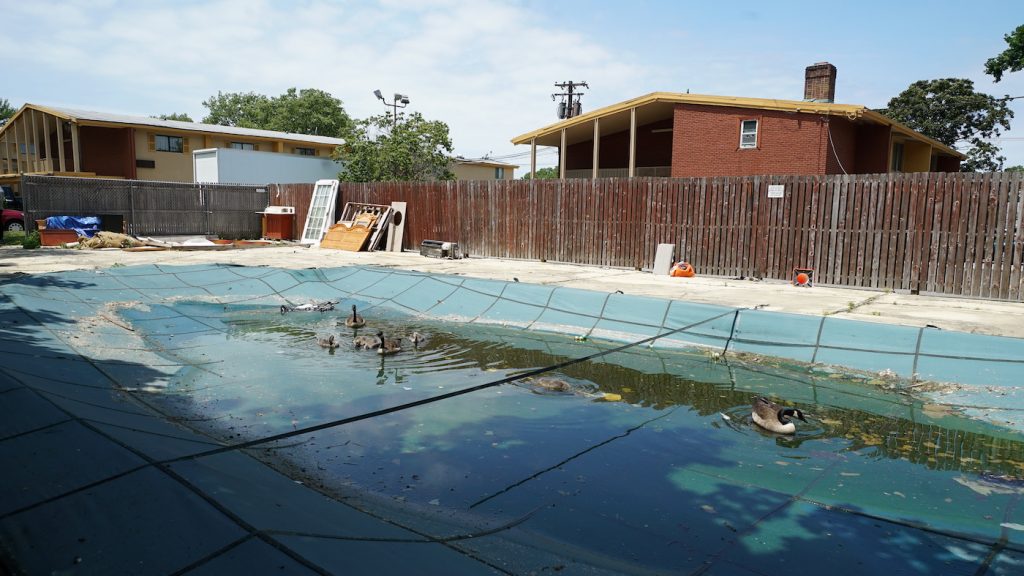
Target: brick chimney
x,y
820,83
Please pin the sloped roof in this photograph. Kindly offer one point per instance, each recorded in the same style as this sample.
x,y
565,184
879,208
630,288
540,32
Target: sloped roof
x,y
667,100
484,162
88,116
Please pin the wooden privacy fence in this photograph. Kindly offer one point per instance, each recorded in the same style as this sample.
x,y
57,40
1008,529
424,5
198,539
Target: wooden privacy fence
x,y
947,233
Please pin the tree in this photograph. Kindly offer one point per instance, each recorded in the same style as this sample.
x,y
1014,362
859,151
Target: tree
x,y
1017,168
6,111
543,173
381,149
306,111
950,111
309,111
179,116
248,110
1011,59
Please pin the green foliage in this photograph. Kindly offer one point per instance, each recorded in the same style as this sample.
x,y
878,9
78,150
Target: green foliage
x,y
548,173
6,110
1017,168
381,149
179,116
307,111
249,110
1011,59
31,240
950,111
12,238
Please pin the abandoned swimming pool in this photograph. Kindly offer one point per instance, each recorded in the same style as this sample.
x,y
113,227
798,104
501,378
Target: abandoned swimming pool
x,y
644,462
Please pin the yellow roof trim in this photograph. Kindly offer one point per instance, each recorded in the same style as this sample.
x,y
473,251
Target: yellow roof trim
x,y
849,111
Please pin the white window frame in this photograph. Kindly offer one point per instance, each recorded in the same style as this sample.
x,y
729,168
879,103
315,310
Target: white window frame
x,y
745,132
167,139
321,212
499,172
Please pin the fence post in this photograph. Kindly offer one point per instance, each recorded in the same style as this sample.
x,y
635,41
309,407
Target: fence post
x,y
131,207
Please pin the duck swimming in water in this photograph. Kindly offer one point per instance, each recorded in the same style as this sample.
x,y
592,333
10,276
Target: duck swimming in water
x,y
355,320
388,345
416,338
774,418
329,342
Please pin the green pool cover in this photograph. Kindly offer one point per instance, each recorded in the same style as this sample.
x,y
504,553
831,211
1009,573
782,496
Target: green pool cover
x,y
185,420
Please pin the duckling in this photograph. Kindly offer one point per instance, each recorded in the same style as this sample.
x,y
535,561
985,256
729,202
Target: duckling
x,y
367,342
329,342
416,338
552,384
388,345
355,320
773,417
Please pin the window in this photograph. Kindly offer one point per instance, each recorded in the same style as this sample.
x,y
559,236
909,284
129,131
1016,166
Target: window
x,y
897,157
748,134
243,145
499,173
169,143
27,148
304,151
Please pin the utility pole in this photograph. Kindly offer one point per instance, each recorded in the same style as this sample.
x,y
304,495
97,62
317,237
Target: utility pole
x,y
572,107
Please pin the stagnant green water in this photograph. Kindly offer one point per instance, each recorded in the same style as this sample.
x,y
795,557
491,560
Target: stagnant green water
x,y
647,462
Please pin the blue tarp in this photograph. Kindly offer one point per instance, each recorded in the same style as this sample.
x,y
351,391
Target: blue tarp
x,y
86,226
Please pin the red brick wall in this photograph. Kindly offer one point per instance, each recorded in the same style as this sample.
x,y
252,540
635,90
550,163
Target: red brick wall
x,y
844,139
107,151
706,142
652,149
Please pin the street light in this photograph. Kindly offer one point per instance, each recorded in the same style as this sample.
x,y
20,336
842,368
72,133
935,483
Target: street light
x,y
399,101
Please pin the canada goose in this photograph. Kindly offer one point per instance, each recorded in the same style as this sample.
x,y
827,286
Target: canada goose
x,y
388,345
355,320
329,342
416,338
367,342
773,417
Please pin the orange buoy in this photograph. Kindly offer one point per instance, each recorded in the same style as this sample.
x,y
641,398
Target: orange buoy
x,y
682,270
803,277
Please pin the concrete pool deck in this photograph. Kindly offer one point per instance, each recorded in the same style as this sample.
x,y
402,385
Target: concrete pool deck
x,y
949,313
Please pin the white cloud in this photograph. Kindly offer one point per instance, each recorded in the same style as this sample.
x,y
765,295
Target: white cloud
x,y
485,67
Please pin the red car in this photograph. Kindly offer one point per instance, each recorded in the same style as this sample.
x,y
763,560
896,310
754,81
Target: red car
x,y
13,220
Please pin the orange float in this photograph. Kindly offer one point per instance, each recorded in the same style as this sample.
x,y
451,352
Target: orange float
x,y
682,270
803,277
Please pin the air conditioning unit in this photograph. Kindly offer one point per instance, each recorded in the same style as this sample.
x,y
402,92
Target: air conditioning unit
x,y
439,249
279,210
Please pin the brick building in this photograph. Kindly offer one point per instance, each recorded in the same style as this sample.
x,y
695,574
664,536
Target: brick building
x,y
687,135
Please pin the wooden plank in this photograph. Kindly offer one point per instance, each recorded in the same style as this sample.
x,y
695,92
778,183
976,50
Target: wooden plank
x,y
925,226
980,234
941,236
995,236
1004,236
1016,277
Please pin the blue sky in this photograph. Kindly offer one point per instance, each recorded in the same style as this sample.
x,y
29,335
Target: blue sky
x,y
487,68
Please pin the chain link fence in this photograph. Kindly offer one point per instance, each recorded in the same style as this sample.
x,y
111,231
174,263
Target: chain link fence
x,y
145,208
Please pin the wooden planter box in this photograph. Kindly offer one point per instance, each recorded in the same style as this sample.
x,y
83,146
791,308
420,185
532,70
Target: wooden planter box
x,y
49,237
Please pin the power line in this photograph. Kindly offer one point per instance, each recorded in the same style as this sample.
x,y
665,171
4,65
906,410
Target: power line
x,y
573,107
